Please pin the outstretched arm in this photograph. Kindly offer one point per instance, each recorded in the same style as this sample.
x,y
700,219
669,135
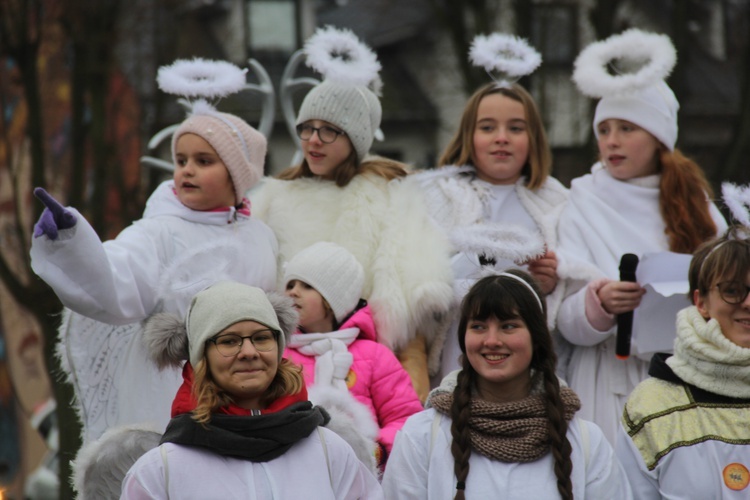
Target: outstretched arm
x,y
54,218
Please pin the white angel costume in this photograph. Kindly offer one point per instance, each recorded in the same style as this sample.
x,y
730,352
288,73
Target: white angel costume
x,y
155,265
606,218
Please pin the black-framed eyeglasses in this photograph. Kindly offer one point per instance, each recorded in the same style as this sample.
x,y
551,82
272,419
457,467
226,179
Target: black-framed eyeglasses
x,y
326,134
733,292
230,344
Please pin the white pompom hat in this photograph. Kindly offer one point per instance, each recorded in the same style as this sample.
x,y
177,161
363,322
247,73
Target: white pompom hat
x,y
331,270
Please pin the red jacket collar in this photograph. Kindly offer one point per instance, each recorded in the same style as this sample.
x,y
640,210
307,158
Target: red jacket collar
x,y
185,403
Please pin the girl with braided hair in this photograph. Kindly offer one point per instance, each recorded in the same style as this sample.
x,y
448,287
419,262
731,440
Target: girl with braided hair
x,y
504,423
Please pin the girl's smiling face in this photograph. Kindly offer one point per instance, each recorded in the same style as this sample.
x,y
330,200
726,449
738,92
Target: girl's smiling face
x,y
324,158
500,351
501,139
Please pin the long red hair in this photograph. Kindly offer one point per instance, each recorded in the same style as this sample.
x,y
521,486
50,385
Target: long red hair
x,y
684,202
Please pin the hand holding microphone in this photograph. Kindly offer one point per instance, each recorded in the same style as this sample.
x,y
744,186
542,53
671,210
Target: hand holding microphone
x,y
628,265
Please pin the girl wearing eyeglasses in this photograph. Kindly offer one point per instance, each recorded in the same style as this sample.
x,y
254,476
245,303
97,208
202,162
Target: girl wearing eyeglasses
x,y
242,421
685,431
340,194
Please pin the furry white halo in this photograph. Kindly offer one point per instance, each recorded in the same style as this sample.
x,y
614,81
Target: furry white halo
x,y
510,242
201,78
593,79
340,56
737,199
509,55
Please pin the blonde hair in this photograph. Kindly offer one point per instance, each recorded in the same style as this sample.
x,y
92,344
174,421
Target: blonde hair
x,y
209,397
460,150
349,168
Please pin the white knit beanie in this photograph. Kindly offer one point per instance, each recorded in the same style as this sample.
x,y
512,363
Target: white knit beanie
x,y
355,109
240,146
653,108
331,270
222,305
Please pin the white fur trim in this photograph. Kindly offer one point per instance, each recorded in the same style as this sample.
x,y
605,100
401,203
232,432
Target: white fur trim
x,y
100,466
201,78
340,56
510,56
501,242
737,199
351,420
633,45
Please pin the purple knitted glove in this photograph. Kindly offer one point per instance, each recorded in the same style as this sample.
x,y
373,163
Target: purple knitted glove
x,y
54,218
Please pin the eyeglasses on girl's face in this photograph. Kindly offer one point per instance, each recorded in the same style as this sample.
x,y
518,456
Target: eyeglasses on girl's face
x,y
230,344
326,134
733,292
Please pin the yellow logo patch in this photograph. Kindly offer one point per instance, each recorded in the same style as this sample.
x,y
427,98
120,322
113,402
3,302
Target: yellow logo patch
x,y
351,379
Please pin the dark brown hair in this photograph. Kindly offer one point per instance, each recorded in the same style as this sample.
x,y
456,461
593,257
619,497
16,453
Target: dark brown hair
x,y
503,297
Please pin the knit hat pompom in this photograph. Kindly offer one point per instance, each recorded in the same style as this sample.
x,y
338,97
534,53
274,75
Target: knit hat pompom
x,y
331,270
241,148
170,340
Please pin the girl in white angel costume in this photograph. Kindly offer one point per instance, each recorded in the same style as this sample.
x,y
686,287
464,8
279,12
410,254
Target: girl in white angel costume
x,y
340,195
642,196
493,192
197,229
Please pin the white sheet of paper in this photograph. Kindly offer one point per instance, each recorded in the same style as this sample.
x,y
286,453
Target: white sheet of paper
x,y
664,275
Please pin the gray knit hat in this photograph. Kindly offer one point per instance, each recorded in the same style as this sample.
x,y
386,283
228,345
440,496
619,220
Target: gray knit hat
x,y
331,270
240,146
223,305
355,109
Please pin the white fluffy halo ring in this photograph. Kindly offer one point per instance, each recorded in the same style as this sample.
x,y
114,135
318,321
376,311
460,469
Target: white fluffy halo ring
x,y
201,78
591,73
339,56
508,54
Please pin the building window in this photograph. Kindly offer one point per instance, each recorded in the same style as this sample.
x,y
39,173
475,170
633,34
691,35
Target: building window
x,y
272,25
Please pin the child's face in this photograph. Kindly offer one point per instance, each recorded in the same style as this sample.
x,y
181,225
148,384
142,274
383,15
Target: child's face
x,y
200,177
500,352
627,150
313,316
728,303
324,158
501,139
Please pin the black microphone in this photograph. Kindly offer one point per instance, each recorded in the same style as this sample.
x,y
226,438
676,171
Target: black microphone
x,y
628,264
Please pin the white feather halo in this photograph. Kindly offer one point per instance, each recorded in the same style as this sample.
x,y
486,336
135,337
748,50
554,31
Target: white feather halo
x,y
340,56
737,199
634,46
505,57
201,78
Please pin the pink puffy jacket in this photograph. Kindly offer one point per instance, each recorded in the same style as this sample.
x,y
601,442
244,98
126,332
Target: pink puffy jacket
x,y
376,378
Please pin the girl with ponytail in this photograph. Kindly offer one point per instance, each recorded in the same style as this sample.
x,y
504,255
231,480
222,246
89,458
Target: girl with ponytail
x,y
642,196
503,427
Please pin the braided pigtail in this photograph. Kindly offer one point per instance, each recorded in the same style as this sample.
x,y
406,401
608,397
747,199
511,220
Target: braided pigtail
x,y
460,414
558,428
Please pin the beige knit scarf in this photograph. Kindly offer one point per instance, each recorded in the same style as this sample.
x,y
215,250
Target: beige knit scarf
x,y
510,432
705,358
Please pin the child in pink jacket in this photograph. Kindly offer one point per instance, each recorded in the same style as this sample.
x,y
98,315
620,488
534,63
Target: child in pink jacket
x,y
335,343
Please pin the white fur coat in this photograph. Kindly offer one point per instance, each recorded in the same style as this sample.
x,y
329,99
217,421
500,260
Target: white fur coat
x,y
385,225
456,202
